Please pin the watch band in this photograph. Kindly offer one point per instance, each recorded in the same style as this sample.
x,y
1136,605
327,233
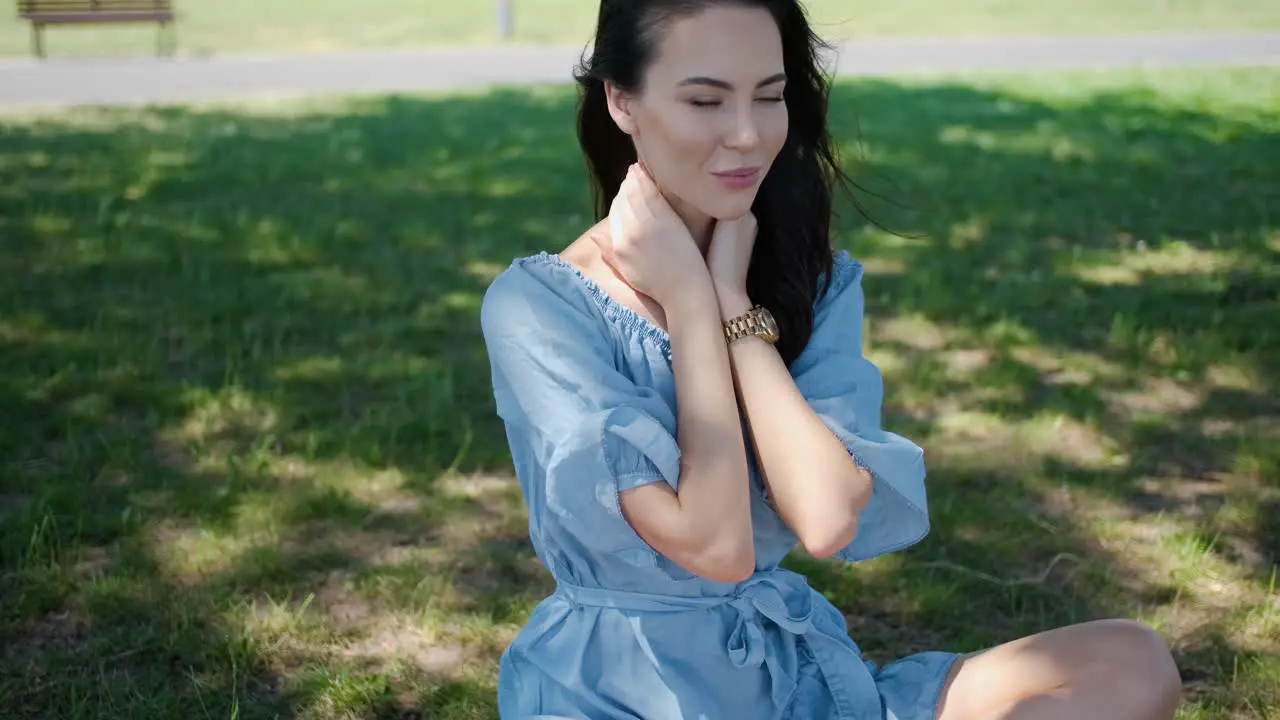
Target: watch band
x,y
754,322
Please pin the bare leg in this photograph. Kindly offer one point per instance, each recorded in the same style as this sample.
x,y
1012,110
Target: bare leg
x,y
1105,669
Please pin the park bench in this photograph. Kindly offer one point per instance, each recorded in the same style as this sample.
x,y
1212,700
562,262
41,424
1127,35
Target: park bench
x,y
88,12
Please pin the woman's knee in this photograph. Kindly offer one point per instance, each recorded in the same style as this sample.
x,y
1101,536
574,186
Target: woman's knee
x,y
1139,660
1120,665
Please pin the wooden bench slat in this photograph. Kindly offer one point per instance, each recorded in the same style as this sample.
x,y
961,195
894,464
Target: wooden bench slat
x,y
66,18
77,7
80,6
91,3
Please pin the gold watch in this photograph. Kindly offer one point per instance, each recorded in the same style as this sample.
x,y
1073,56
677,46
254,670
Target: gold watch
x,y
757,321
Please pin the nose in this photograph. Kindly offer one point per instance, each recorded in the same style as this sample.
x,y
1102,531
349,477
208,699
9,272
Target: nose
x,y
743,133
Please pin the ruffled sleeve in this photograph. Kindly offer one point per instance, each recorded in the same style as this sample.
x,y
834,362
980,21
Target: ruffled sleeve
x,y
580,431
845,389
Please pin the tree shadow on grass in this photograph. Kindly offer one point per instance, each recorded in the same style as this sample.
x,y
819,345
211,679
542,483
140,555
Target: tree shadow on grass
x,y
242,368
1112,258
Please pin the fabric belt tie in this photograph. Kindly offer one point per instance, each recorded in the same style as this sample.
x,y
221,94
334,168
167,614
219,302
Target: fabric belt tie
x,y
760,597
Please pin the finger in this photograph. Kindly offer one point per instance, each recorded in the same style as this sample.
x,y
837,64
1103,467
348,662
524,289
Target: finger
x,y
625,183
615,228
626,223
624,194
630,189
649,196
656,200
637,199
646,182
646,176
618,199
635,178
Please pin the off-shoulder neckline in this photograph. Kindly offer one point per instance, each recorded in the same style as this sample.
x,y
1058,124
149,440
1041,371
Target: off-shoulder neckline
x,y
613,309
628,318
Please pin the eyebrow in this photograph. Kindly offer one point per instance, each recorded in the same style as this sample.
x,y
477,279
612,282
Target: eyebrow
x,y
713,82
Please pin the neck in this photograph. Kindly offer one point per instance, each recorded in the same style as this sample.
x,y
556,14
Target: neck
x,y
699,223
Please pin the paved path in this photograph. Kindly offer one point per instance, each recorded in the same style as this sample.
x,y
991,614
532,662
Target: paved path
x,y
62,82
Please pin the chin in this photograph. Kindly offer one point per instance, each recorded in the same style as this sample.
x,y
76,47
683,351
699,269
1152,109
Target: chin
x,y
730,208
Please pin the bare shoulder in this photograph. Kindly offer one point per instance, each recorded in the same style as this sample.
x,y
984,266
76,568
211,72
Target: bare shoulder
x,y
584,255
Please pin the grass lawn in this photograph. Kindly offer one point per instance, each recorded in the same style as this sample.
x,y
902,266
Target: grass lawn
x,y
249,462
222,26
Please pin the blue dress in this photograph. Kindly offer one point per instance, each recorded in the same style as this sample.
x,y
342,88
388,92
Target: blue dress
x,y
585,389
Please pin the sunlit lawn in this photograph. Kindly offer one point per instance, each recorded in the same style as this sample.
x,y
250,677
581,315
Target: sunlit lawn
x,y
249,460
221,26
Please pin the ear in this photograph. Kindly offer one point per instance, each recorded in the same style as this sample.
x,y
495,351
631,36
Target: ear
x,y
620,108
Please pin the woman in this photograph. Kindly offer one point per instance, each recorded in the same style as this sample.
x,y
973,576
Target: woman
x,y
686,400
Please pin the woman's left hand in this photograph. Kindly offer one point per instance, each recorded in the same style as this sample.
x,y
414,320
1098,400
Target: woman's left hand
x,y
729,254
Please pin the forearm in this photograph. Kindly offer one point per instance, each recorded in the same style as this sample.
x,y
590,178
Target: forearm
x,y
815,485
714,491
705,526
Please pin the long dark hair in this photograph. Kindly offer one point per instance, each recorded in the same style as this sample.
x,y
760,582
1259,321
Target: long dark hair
x,y
793,208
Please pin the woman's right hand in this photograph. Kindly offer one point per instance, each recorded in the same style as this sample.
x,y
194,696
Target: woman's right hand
x,y
649,245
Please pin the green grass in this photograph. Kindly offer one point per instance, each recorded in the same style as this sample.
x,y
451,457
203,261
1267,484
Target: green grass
x,y
224,26
249,462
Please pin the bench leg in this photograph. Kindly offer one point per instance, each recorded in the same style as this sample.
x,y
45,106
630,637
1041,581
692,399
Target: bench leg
x,y
167,40
37,39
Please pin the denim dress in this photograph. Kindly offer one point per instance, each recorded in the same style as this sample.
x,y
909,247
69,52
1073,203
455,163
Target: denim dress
x,y
586,392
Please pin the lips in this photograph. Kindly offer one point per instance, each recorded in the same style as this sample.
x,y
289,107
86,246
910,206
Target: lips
x,y
739,179
747,172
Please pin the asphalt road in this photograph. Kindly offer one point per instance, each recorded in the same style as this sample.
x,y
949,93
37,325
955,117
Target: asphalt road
x,y
31,83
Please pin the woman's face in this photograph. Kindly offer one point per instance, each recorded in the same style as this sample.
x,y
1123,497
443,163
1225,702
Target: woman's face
x,y
710,117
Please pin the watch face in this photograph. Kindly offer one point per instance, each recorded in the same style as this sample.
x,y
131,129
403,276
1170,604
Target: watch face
x,y
769,323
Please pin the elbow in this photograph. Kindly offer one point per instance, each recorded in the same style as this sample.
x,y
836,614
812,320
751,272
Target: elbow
x,y
825,539
725,562
830,529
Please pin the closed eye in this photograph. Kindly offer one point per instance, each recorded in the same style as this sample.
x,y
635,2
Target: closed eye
x,y
717,103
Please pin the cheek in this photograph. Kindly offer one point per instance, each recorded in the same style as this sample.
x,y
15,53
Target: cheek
x,y
773,133
679,138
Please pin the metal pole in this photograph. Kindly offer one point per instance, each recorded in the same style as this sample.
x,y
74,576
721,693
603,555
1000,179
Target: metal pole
x,y
504,19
